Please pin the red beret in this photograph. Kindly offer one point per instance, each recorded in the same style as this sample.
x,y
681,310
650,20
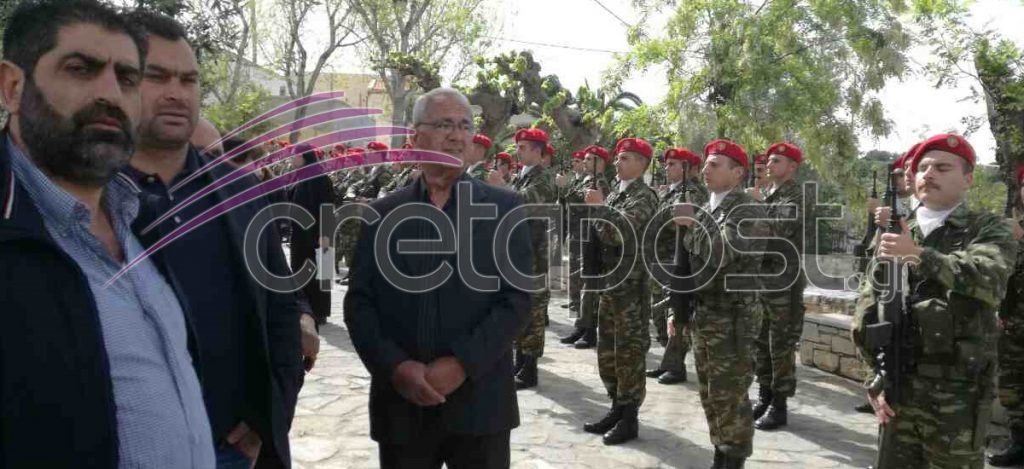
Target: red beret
x,y
904,159
318,152
482,139
951,143
338,146
682,154
578,155
761,159
728,149
283,143
785,149
352,151
503,156
601,152
635,145
536,135
377,146
549,149
406,146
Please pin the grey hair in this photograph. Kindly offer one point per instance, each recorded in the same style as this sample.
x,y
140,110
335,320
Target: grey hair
x,y
419,110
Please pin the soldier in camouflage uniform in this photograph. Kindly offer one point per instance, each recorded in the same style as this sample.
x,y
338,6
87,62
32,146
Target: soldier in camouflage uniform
x,y
584,334
1011,352
722,242
782,298
623,338
959,262
476,164
536,185
682,168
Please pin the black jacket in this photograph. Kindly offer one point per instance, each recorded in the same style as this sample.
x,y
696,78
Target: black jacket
x,y
273,326
389,325
56,396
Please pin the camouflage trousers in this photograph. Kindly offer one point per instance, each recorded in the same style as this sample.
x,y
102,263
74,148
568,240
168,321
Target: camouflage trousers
x,y
575,264
775,351
723,331
1011,377
622,342
678,345
941,423
659,316
589,302
531,342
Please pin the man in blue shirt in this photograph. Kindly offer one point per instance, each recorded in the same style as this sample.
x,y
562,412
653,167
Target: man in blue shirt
x,y
95,367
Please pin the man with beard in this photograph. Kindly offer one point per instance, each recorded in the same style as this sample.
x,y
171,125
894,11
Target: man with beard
x,y
438,349
248,337
94,366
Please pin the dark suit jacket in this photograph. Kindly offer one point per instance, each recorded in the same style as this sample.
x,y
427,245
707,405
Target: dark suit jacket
x,y
310,195
276,375
389,325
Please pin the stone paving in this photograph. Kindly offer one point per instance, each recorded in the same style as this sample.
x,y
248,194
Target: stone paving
x,y
331,423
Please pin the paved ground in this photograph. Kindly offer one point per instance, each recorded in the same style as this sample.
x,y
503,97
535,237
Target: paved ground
x,y
331,422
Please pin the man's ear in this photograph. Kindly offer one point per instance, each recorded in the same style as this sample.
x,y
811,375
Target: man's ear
x,y
12,83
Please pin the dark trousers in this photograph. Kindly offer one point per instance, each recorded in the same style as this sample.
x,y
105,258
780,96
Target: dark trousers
x,y
456,451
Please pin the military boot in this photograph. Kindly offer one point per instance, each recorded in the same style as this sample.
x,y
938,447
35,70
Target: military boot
x,y
732,462
526,378
775,417
764,399
673,377
606,423
1013,455
719,459
570,339
626,428
589,339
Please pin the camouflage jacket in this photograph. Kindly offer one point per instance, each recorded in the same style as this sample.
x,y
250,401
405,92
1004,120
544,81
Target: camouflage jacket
x,y
665,245
401,179
1011,315
726,246
379,177
536,187
478,171
633,209
575,196
952,295
785,210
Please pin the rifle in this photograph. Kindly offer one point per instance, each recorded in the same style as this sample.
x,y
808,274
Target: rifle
x,y
681,295
592,247
860,250
887,337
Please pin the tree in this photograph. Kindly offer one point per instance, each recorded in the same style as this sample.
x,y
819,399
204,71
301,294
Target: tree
x,y
409,41
765,71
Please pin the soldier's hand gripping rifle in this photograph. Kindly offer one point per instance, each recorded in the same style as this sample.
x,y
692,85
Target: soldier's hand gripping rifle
x,y
860,250
886,338
681,295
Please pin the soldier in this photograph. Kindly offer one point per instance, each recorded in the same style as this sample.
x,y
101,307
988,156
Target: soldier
x,y
959,261
1011,351
623,337
475,164
405,173
682,171
781,299
584,334
725,322
537,186
503,164
566,185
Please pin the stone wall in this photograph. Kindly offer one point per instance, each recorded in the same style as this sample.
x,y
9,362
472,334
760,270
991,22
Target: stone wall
x,y
825,344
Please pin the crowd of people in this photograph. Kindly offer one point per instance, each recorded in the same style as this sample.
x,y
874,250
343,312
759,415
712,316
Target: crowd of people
x,y
186,360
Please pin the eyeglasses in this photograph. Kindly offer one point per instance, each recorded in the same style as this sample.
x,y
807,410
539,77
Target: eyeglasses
x,y
447,126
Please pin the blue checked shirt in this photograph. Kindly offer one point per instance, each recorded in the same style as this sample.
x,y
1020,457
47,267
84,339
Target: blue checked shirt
x,y
161,418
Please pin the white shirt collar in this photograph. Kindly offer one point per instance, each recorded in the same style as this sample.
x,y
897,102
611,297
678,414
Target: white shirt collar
x,y
716,199
624,184
928,220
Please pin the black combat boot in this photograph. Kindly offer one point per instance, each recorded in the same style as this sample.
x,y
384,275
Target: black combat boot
x,y
673,377
1013,455
606,423
526,378
589,339
732,462
865,408
570,339
775,417
764,399
654,373
719,459
626,428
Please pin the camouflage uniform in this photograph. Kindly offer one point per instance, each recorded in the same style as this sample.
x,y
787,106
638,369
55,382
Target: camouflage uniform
x,y
725,322
536,187
678,345
575,196
344,184
1011,348
623,338
478,171
401,179
783,308
948,384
